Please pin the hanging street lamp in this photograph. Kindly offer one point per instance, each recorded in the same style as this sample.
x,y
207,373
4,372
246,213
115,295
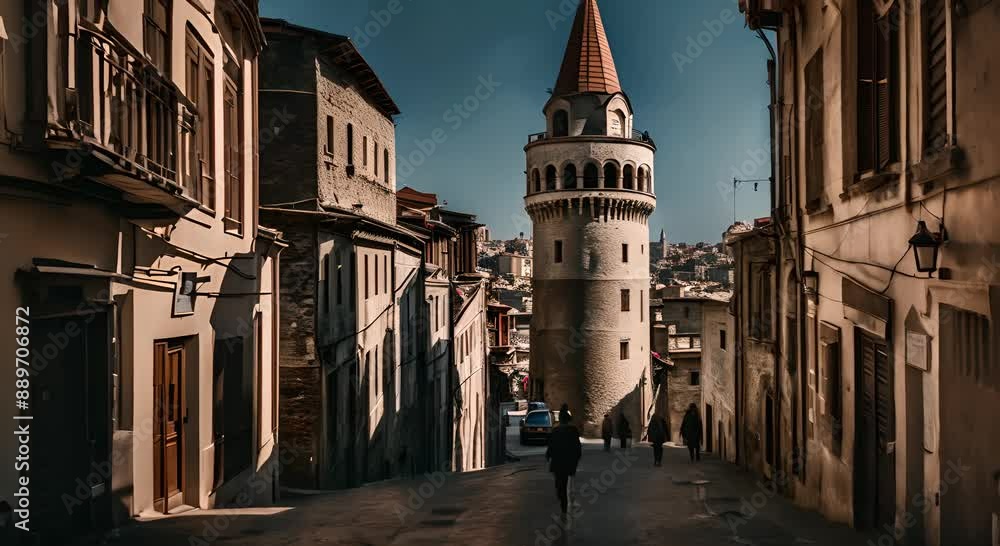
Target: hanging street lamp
x,y
925,248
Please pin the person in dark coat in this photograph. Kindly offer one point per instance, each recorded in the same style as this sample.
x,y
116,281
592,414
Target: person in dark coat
x,y
691,431
657,433
607,431
563,454
624,430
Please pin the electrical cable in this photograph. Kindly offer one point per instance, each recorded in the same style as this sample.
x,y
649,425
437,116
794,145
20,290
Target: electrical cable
x,y
893,269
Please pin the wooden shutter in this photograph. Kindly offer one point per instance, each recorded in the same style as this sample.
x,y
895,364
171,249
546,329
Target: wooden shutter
x,y
866,86
936,53
885,32
814,130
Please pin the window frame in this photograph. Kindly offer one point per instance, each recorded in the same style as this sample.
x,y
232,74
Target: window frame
x,y
149,24
234,183
623,350
882,64
626,300
200,180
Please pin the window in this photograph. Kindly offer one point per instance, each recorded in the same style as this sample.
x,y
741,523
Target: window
x,y
643,174
814,131
695,378
623,350
366,276
626,300
536,180
385,274
558,252
200,77
642,313
610,175
233,145
590,176
375,158
156,33
350,144
385,161
831,404
376,275
624,253
330,136
877,106
437,315
560,124
364,151
937,84
378,374
628,177
760,303
569,177
722,339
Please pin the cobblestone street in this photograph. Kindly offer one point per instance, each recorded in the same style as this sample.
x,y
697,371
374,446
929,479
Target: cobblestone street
x,y
621,499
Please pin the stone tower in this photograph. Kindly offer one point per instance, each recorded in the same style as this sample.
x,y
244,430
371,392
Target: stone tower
x,y
590,195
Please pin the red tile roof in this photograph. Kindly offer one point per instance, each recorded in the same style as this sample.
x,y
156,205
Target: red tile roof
x,y
588,66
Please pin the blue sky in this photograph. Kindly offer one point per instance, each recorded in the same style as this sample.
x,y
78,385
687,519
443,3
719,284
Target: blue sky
x,y
708,116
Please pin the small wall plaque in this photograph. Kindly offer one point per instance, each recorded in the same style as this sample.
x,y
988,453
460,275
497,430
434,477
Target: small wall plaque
x,y
918,350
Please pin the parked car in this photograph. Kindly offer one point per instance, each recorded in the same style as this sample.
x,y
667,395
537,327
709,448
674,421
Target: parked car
x,y
532,406
536,426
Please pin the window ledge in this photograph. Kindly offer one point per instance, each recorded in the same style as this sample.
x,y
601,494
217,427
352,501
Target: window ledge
x,y
869,181
936,164
817,206
233,227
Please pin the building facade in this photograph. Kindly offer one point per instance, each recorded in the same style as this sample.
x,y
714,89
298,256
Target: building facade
x,y
589,195
128,177
887,352
353,389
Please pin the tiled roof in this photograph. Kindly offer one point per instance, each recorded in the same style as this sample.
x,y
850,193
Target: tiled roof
x,y
588,66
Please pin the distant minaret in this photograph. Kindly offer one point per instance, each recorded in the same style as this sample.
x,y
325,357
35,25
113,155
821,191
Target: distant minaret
x,y
590,195
663,243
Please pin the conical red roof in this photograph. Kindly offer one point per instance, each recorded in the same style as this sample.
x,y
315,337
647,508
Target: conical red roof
x,y
588,66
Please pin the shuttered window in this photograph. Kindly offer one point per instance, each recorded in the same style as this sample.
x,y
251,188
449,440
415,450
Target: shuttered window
x,y
878,106
936,53
815,106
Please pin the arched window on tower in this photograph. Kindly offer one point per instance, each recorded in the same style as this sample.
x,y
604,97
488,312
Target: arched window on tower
x,y
560,123
550,178
569,177
616,123
628,177
610,175
536,181
642,179
590,176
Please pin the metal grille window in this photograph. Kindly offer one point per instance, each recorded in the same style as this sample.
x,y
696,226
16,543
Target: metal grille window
x,y
970,356
878,105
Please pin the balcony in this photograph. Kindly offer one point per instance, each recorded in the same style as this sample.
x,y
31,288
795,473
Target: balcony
x,y
131,120
635,136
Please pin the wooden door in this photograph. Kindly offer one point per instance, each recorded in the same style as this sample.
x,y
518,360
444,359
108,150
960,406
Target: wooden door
x,y
875,475
168,445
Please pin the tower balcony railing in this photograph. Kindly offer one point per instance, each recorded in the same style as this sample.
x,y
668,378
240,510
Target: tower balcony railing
x,y
638,136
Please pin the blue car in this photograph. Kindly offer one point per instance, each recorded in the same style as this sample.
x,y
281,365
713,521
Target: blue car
x,y
536,426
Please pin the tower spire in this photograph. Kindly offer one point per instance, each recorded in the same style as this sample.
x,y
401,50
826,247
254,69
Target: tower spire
x,y
588,66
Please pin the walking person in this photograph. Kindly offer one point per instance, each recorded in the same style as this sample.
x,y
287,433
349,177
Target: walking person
x,y
624,431
691,431
657,433
563,454
607,431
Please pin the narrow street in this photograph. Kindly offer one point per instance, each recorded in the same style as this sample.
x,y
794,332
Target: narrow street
x,y
515,504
